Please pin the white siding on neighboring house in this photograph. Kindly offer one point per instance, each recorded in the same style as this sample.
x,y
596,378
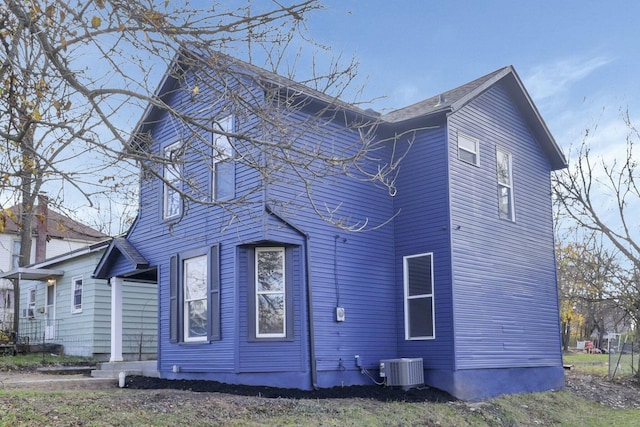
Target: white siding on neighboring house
x,y
57,247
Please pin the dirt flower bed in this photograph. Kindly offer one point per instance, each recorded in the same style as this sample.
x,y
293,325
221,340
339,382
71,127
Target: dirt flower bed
x,y
623,393
385,394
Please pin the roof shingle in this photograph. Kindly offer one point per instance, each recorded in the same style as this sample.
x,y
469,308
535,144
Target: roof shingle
x,y
59,226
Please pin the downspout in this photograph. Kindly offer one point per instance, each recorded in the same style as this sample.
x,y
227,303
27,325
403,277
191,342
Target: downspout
x,y
307,256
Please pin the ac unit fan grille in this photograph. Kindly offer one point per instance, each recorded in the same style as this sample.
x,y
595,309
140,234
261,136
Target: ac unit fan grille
x,y
405,372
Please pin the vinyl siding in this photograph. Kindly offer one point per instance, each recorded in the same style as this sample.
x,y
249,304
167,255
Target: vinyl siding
x,y
139,320
277,355
481,289
352,270
87,333
422,226
364,264
200,227
504,284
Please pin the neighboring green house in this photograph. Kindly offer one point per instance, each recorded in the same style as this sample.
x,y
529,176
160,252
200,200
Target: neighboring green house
x,y
61,303
57,235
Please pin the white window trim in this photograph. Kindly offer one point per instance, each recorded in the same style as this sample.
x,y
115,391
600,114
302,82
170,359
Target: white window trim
x,y
185,301
50,309
283,334
225,124
165,187
30,311
406,298
512,210
15,253
74,309
475,142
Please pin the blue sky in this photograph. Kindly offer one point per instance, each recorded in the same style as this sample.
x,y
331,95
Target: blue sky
x,y
579,60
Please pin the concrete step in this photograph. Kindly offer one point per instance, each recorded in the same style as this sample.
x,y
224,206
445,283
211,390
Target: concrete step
x,y
112,369
53,382
66,370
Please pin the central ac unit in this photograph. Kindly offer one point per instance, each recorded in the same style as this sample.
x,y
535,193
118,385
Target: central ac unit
x,y
405,372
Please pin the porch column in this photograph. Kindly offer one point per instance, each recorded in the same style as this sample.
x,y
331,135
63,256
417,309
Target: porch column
x,y
116,319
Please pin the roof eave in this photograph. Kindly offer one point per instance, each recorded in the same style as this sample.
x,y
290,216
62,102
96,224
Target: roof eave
x,y
539,126
102,269
522,98
29,273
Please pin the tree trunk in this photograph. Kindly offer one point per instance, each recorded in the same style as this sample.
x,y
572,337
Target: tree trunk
x,y
29,187
566,335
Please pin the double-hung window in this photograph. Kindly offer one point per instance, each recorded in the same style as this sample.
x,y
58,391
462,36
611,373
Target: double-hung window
x,y
76,295
271,315
194,282
505,184
31,308
223,179
194,296
15,254
468,149
172,174
270,278
419,322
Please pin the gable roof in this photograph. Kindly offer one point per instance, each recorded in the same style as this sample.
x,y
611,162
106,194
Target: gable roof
x,y
455,99
267,79
59,226
120,246
444,103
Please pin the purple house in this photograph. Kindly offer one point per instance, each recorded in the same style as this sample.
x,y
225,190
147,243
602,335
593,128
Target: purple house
x,y
456,289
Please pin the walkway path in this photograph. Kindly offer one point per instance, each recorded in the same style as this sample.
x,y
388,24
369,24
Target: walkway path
x,y
40,381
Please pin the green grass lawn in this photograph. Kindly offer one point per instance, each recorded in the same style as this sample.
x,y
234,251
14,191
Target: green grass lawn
x,y
598,364
594,364
125,407
36,360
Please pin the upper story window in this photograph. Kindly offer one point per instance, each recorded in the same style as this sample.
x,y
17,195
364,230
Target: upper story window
x,y
505,185
172,173
419,318
15,254
468,149
76,295
223,179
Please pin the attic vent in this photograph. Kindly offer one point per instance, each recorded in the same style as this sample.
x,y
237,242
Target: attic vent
x,y
440,100
405,372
